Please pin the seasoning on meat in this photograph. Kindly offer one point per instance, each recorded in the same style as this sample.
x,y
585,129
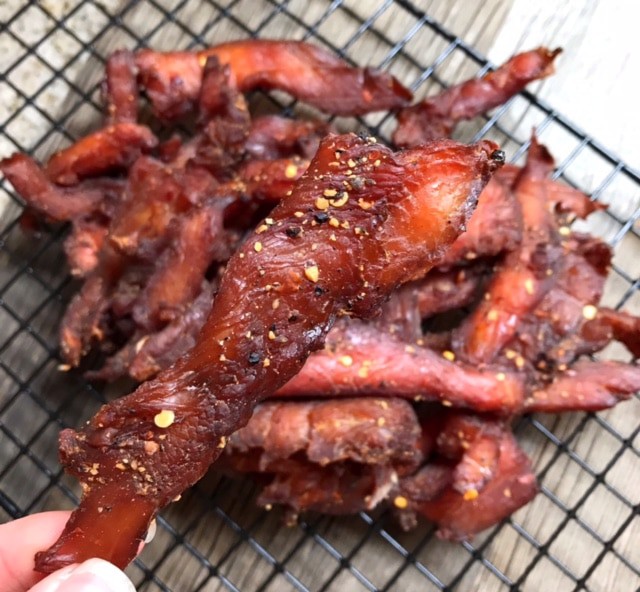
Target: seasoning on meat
x,y
413,219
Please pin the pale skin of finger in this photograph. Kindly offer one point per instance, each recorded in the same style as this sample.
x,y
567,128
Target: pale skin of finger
x,y
93,575
19,542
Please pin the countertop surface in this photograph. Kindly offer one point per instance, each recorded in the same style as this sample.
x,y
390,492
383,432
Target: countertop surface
x,y
594,88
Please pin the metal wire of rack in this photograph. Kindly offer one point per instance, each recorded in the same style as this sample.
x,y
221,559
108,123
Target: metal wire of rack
x,y
216,538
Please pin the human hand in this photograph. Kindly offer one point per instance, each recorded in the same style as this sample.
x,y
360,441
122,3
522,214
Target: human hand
x,y
21,539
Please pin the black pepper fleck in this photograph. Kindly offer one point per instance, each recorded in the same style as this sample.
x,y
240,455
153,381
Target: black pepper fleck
x,y
254,358
357,182
321,217
293,231
318,291
498,156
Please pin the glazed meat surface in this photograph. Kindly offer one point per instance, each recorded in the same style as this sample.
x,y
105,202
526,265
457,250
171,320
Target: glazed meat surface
x,y
524,275
172,80
262,326
436,117
397,330
361,360
367,431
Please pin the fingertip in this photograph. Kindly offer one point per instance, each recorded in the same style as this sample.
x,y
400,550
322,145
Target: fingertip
x,y
19,541
93,575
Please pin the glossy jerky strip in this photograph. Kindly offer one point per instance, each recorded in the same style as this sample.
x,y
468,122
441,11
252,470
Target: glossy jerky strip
x,y
120,89
335,489
112,149
525,274
272,137
367,431
361,360
436,117
587,386
494,228
444,290
199,239
59,203
172,80
459,516
83,244
141,451
559,329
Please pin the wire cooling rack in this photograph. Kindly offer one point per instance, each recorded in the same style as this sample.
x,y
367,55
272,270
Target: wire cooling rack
x,y
578,534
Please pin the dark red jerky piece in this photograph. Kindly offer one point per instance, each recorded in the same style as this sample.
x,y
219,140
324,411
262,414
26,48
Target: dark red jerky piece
x,y
553,334
112,149
173,80
494,228
272,180
525,274
342,488
83,245
223,120
436,117
212,390
619,325
146,354
459,516
362,360
331,456
586,386
567,200
449,289
120,88
473,442
273,137
198,239
82,320
156,193
366,431
399,316
58,203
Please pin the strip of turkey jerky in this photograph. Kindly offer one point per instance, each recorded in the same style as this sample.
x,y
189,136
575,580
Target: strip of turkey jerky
x,y
360,359
432,493
361,221
172,80
58,203
368,431
111,149
119,88
524,276
437,116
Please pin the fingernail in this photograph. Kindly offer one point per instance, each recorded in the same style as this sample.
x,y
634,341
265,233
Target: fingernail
x,y
94,575
151,533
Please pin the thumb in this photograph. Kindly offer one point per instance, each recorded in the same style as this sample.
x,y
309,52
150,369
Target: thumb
x,y
94,575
